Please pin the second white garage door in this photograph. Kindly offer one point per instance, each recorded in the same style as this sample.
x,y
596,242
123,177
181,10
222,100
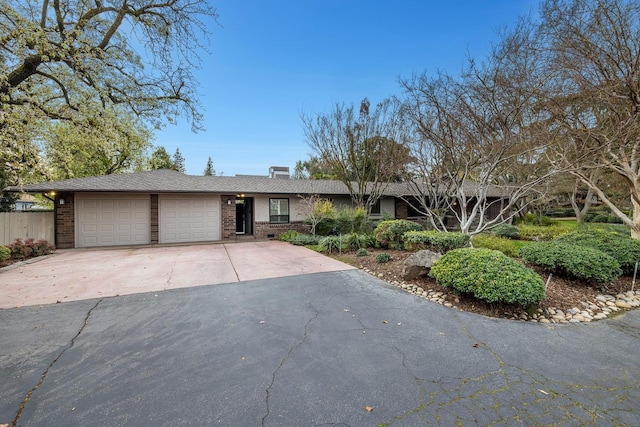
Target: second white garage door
x,y
188,218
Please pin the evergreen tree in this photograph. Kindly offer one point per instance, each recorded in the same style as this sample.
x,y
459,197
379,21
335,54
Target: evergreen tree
x,y
178,161
209,170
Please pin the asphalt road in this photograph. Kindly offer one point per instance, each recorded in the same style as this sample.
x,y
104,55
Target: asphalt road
x,y
308,350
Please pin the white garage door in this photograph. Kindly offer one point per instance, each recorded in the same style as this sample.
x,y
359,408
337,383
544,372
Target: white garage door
x,y
112,219
188,218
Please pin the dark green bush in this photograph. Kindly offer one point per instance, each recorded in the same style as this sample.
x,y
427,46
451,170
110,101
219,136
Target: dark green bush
x,y
5,253
506,230
620,246
488,275
437,241
600,218
533,219
362,252
614,219
389,233
565,259
383,258
288,236
305,239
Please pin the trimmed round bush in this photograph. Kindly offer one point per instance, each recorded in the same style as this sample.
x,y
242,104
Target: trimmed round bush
x,y
383,258
362,252
389,233
506,230
581,262
437,241
488,275
620,246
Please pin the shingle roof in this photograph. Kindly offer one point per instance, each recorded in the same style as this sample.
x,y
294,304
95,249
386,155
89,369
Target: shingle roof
x,y
169,181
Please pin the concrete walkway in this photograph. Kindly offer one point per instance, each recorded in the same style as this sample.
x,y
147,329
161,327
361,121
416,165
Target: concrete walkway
x,y
71,275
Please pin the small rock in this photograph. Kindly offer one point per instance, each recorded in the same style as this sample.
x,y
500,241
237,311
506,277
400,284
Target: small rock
x,y
544,320
622,304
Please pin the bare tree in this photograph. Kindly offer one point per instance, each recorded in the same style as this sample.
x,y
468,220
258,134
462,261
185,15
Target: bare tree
x,y
477,153
366,149
593,48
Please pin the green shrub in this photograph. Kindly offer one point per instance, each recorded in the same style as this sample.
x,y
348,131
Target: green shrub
x,y
5,253
362,252
437,241
351,220
332,243
506,230
305,239
614,219
383,257
601,218
389,233
619,246
506,246
533,219
357,240
537,232
488,275
560,213
570,260
288,236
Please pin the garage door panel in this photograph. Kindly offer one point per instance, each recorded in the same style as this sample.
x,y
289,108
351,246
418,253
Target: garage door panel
x,y
113,219
190,218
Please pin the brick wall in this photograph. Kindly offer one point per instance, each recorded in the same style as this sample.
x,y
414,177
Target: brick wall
x,y
266,230
65,221
228,216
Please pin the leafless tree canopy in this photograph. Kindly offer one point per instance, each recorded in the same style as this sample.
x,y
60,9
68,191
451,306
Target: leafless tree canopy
x,y
365,147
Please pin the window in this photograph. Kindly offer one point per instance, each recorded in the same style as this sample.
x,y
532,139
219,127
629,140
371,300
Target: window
x,y
278,211
375,208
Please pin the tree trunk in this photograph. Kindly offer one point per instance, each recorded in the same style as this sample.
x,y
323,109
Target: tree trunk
x,y
635,228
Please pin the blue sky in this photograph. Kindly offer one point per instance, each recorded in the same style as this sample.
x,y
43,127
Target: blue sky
x,y
272,60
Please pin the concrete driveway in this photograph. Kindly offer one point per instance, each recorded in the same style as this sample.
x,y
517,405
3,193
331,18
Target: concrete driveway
x,y
335,348
76,274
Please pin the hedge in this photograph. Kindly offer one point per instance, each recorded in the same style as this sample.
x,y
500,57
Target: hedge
x,y
581,262
437,241
620,246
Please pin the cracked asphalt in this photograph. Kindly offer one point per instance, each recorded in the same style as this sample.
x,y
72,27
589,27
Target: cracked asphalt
x,y
308,350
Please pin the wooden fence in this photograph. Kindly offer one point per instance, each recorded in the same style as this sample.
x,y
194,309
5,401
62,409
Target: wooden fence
x,y
25,225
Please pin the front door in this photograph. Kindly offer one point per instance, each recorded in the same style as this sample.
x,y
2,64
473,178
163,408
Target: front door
x,y
244,215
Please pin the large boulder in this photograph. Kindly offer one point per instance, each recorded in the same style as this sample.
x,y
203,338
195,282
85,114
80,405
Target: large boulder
x,y
419,264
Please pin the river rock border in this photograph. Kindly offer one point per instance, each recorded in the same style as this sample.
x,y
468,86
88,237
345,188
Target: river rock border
x,y
603,306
